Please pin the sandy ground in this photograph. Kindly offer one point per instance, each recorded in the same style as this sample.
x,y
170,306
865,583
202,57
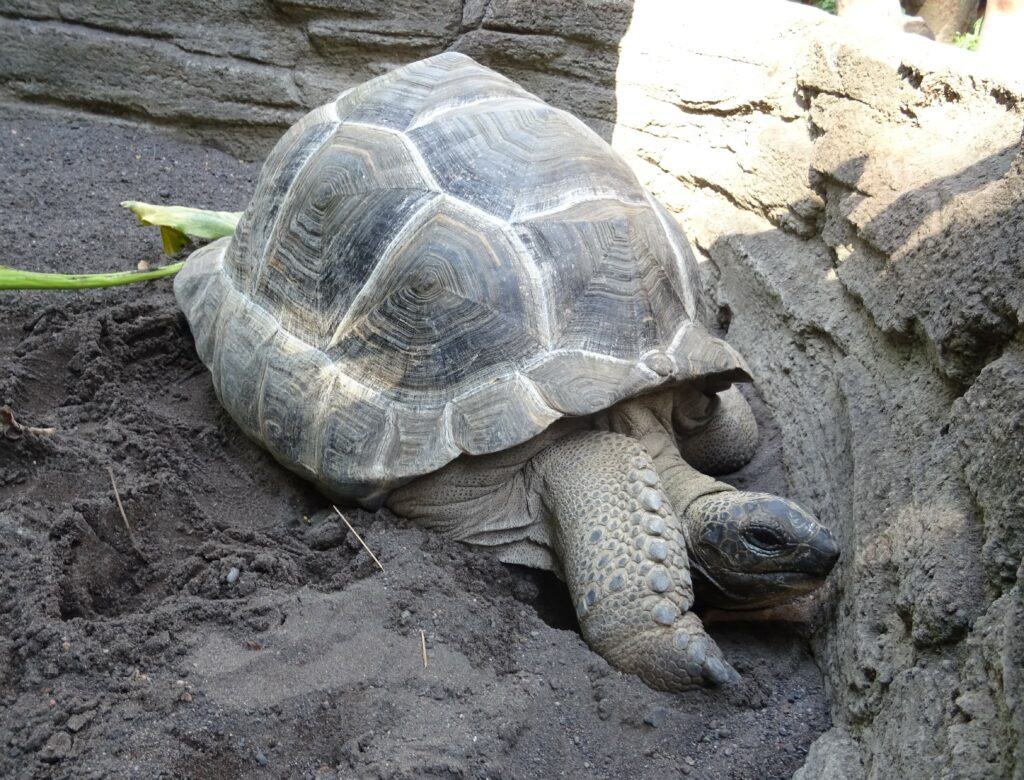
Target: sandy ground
x,y
126,652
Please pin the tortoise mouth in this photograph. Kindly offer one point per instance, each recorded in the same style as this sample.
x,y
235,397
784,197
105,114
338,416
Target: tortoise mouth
x,y
745,590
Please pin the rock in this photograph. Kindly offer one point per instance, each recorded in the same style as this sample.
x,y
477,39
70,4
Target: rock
x,y
880,305
325,531
56,748
77,722
945,18
656,717
835,756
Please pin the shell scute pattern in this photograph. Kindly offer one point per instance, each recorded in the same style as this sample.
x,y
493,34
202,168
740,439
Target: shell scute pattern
x,y
447,264
287,159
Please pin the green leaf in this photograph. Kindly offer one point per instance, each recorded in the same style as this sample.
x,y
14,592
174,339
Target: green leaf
x,y
13,279
177,223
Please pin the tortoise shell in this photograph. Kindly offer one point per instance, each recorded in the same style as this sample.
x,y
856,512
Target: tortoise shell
x,y
439,263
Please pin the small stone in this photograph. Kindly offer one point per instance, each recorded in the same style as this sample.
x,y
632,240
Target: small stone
x,y
56,748
38,737
77,722
261,759
656,717
232,576
325,534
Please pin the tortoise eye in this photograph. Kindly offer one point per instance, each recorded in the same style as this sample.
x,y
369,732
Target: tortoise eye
x,y
764,538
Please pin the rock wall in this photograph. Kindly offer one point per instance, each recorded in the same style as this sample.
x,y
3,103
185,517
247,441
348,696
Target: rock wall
x,y
237,73
858,202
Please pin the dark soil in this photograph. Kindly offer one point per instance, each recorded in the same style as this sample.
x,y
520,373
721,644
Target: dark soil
x,y
125,651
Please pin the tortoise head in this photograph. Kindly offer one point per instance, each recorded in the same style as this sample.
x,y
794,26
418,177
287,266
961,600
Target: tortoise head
x,y
753,550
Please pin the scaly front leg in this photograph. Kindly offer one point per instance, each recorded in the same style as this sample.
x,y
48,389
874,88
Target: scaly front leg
x,y
623,551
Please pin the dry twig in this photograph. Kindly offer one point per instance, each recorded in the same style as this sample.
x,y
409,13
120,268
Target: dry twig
x,y
423,647
120,506
357,536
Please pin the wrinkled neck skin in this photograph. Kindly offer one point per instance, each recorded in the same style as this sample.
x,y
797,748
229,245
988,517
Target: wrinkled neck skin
x,y
746,550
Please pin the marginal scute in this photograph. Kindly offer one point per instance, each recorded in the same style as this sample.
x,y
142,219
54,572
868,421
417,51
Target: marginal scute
x,y
201,292
699,354
355,439
578,383
291,431
493,417
244,346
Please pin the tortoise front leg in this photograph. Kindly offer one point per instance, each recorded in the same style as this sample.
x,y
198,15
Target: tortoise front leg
x,y
623,552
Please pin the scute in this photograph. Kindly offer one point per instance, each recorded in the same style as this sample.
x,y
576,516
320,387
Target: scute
x,y
439,263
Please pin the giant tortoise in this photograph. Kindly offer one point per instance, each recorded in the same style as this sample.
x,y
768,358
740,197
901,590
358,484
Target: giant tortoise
x,y
452,299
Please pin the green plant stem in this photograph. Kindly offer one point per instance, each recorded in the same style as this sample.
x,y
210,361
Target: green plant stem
x,y
13,279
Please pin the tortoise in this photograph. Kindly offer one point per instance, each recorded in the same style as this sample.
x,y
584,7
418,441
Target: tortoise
x,y
452,299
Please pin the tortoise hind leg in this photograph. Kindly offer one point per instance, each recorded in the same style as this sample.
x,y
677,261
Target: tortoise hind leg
x,y
624,555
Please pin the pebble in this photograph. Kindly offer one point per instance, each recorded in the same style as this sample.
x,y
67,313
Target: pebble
x,y
232,575
656,717
261,759
56,748
77,722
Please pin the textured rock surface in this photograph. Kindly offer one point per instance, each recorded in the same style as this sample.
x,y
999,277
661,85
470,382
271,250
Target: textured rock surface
x,y
860,203
237,73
